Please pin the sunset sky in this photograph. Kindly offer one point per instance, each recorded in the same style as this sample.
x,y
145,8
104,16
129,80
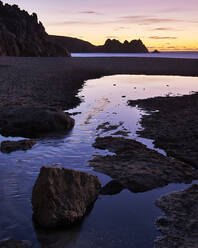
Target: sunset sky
x,y
163,25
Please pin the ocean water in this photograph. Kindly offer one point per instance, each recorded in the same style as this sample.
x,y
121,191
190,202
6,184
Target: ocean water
x,y
184,55
121,221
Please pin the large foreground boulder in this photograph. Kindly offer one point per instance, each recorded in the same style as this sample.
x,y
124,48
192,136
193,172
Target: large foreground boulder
x,y
11,146
27,121
62,196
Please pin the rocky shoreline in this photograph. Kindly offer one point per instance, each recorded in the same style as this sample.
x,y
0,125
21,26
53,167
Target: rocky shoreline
x,y
172,124
54,82
173,127
180,226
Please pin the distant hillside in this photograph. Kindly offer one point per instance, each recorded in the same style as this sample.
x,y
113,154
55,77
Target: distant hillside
x,y
75,45
22,35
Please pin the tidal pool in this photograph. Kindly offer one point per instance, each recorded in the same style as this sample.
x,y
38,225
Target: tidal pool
x,y
122,220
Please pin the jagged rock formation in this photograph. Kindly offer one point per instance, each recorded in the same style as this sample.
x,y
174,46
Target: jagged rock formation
x,y
22,35
115,46
75,45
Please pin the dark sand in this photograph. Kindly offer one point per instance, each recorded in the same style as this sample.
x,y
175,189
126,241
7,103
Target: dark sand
x,y
56,81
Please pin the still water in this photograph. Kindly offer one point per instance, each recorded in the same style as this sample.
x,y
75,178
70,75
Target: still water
x,y
181,55
123,220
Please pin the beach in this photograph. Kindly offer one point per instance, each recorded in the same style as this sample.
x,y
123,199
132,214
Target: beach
x,y
134,166
56,81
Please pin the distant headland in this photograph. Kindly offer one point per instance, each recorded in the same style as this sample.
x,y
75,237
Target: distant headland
x,y
75,45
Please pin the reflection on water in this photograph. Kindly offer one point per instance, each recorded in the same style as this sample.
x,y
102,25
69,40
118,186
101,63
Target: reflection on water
x,y
185,55
122,220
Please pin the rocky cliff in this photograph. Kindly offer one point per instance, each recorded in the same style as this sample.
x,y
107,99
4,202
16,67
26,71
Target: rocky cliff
x,y
22,35
75,45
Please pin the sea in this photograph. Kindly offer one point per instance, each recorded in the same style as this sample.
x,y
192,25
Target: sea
x,y
182,55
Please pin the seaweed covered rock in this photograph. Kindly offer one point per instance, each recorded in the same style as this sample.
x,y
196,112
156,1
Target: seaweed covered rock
x,y
138,168
28,121
180,226
62,196
11,146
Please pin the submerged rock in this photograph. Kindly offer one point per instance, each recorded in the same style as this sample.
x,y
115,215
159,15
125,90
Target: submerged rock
x,y
111,188
138,168
13,243
27,121
62,196
180,226
10,146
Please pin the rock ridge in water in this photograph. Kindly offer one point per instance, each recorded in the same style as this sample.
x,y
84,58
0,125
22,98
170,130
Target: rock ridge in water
x,y
22,35
173,127
62,196
138,168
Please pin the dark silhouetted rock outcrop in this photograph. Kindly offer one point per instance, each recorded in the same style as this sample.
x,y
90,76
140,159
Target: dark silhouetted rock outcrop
x,y
27,121
75,45
22,35
156,51
62,196
11,146
115,46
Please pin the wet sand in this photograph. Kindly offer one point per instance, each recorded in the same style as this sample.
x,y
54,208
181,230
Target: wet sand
x,y
56,81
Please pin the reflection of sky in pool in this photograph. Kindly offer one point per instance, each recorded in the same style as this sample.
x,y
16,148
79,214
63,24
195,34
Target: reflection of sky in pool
x,y
123,220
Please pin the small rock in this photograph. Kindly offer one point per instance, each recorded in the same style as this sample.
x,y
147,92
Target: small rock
x,y
13,243
62,196
111,188
10,146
